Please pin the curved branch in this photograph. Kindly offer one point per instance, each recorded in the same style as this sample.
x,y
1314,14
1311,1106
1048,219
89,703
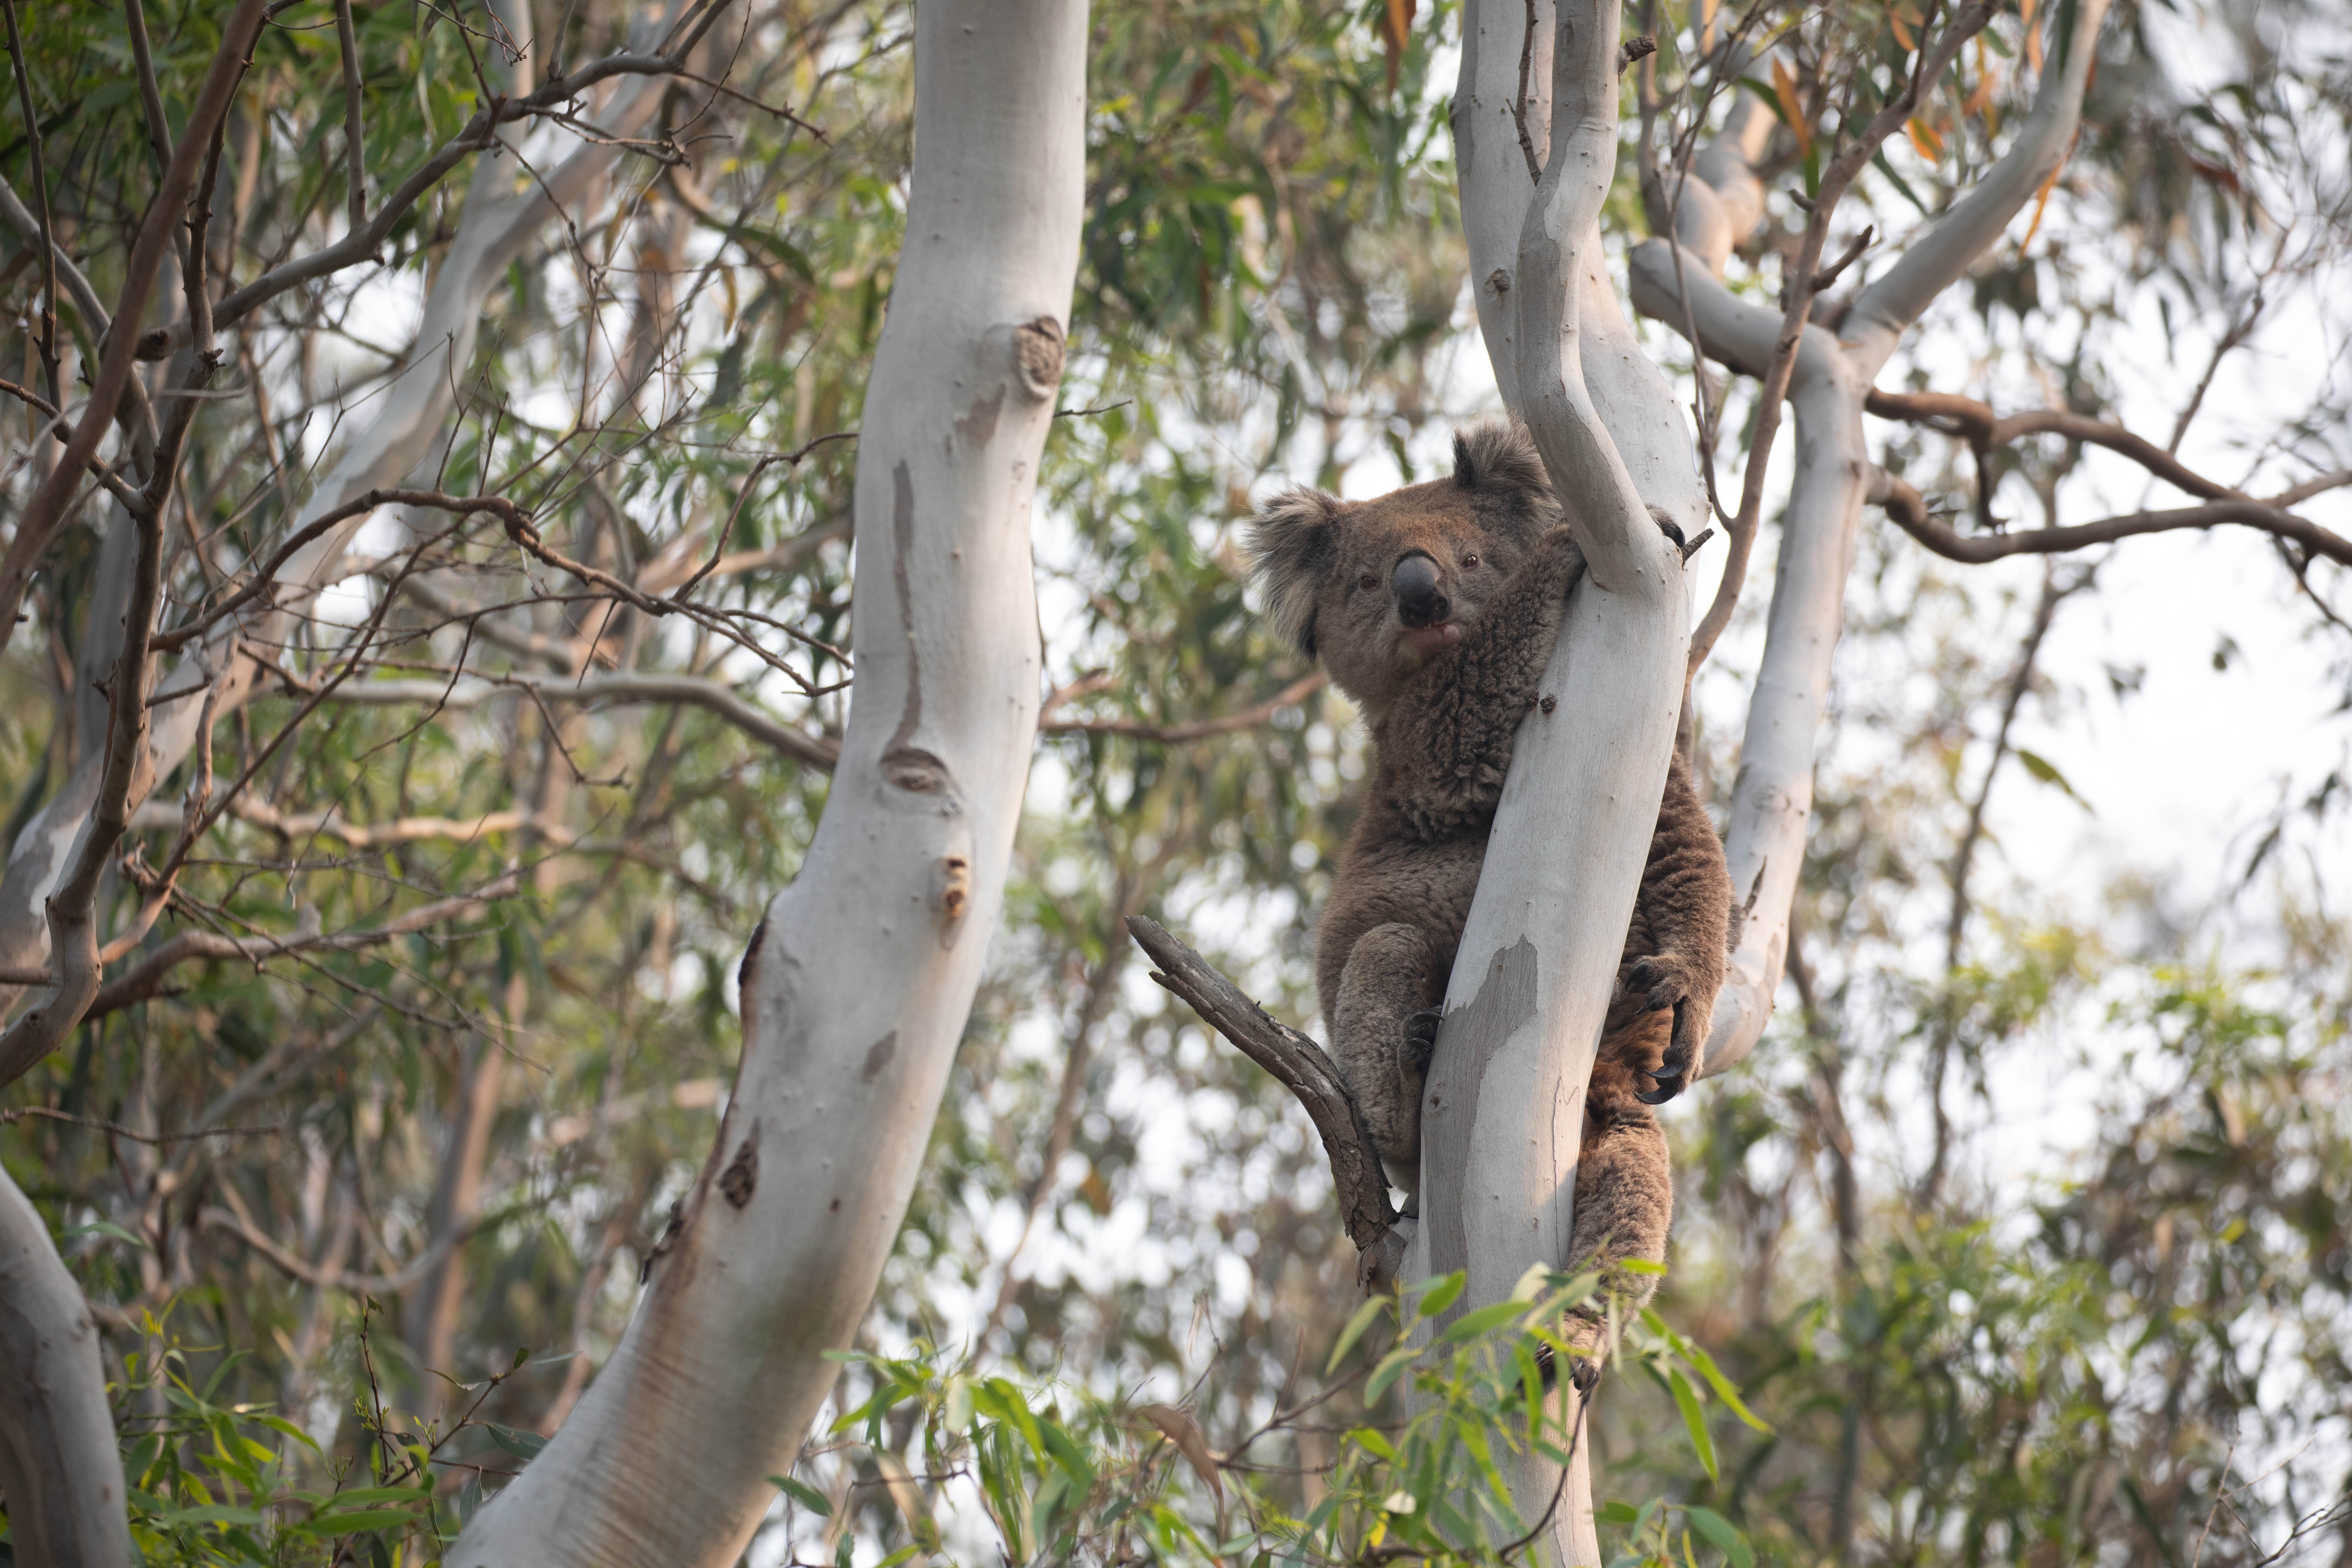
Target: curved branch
x,y
1300,1066
262,580
1976,424
1909,511
1626,554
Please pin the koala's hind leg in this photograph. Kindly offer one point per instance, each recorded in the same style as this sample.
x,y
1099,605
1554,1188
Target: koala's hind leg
x,y
1382,1038
1624,1203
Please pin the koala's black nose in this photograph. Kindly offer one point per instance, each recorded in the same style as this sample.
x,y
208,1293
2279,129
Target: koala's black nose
x,y
1420,602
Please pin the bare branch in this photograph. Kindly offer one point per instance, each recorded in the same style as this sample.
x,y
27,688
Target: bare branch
x,y
354,143
48,335
266,578
151,96
1977,423
1299,1065
1909,509
473,690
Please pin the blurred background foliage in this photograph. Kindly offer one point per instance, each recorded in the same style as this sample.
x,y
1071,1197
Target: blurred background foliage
x,y
1964,1339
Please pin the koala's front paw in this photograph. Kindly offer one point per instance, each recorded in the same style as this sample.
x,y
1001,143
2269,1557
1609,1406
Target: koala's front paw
x,y
1420,1045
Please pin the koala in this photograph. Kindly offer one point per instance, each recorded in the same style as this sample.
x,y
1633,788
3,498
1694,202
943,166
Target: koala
x,y
1436,609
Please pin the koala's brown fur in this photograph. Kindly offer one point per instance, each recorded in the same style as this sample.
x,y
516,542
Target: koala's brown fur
x,y
1436,609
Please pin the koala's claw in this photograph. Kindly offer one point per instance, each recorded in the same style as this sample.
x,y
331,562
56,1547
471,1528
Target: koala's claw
x,y
1670,1084
1673,1068
1420,1042
1583,1369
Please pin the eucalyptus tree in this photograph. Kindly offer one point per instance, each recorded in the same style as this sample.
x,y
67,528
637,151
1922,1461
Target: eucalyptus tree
x,y
478,797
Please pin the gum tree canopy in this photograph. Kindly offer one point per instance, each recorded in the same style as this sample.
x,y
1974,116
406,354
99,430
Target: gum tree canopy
x,y
614,609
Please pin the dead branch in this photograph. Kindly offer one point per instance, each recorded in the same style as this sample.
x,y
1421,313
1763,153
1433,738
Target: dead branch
x,y
1978,424
1300,1066
1909,509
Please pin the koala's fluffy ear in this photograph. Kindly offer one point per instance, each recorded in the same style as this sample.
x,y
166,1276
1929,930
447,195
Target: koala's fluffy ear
x,y
1295,541
1498,457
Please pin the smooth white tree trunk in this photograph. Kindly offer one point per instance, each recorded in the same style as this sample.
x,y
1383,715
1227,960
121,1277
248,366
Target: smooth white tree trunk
x,y
58,1464
1505,1111
856,991
1531,982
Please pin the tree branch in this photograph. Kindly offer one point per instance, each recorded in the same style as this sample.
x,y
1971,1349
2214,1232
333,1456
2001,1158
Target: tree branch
x,y
1976,423
1300,1066
1935,260
148,977
363,242
473,690
1909,509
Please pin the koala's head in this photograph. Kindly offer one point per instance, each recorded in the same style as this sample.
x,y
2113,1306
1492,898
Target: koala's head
x,y
1376,589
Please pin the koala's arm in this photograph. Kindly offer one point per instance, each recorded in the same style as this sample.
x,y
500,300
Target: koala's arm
x,y
1445,744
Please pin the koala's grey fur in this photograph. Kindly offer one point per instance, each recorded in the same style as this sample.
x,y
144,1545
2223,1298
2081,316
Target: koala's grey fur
x,y
1444,706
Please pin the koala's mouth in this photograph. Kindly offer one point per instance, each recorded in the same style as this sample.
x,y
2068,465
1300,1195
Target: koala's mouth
x,y
1429,641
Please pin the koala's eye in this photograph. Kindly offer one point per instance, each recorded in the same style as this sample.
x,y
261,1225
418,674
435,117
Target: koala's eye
x,y
1368,582
1471,559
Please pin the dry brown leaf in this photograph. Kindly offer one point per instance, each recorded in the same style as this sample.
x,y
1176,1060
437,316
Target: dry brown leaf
x,y
1179,1427
1784,88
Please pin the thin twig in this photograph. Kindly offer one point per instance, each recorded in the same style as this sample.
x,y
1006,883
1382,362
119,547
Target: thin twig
x,y
354,143
1520,104
14,1114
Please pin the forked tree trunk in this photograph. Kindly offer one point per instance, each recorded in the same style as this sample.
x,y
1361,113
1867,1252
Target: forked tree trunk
x,y
1504,1107
857,990
1772,800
